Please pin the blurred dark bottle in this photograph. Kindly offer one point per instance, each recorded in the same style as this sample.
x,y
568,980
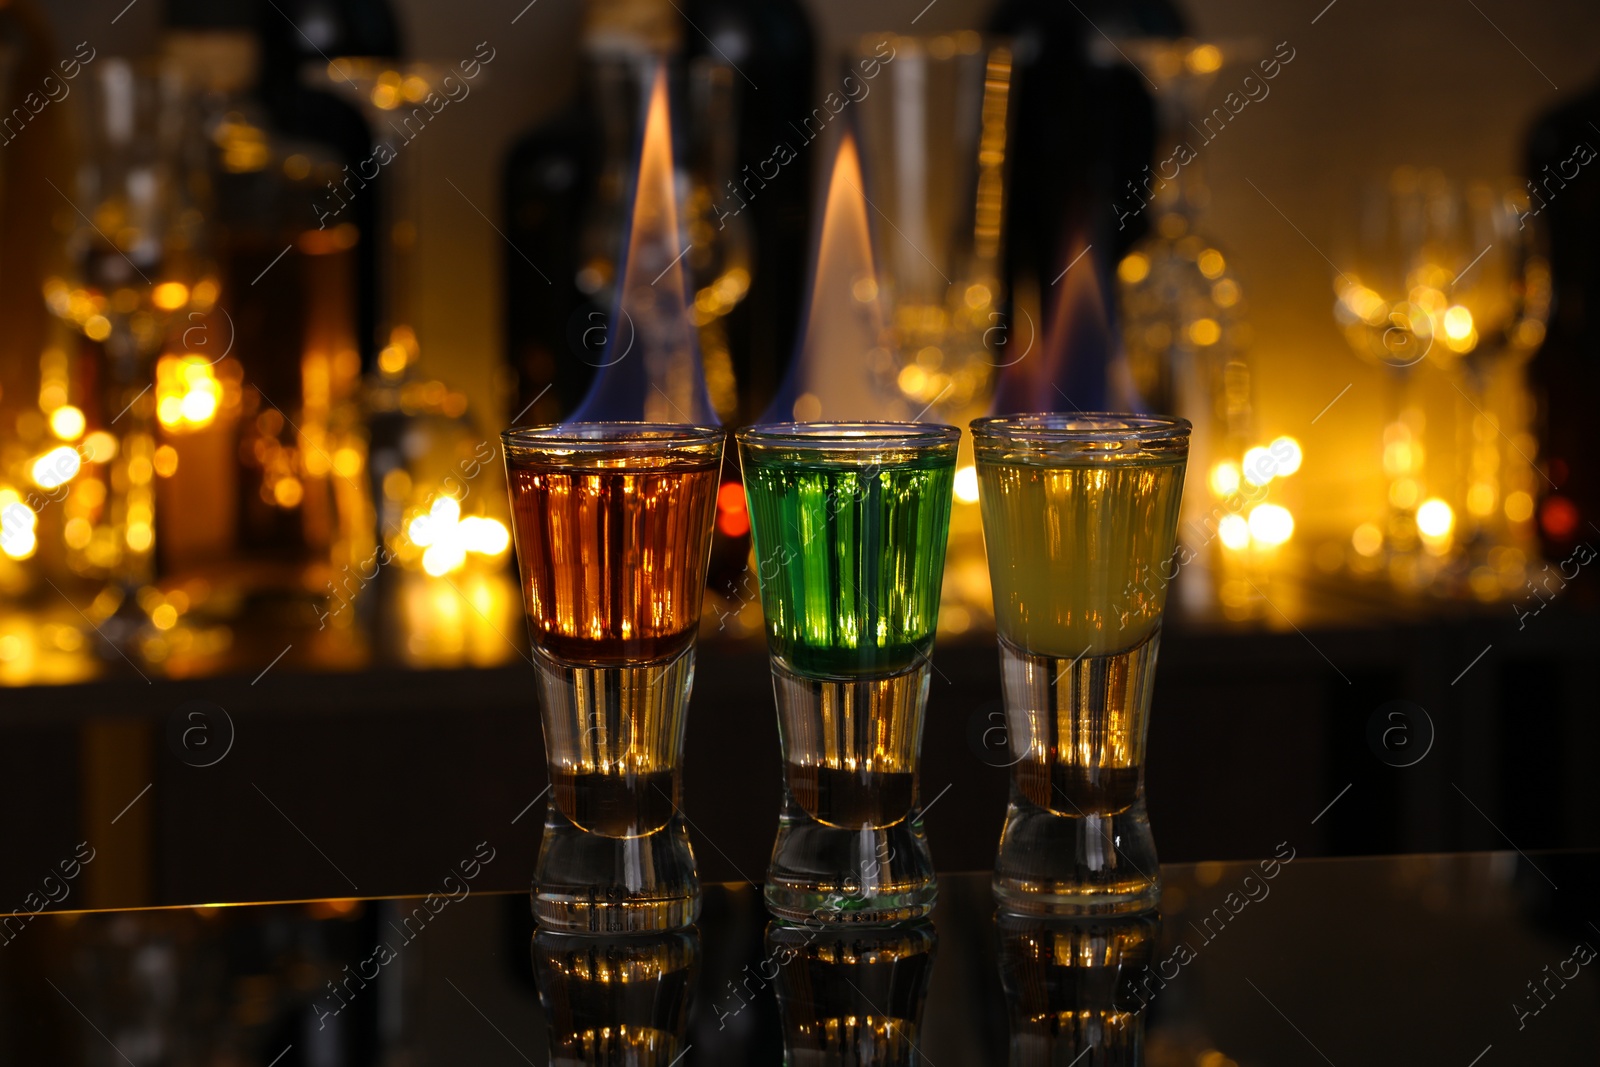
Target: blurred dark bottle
x,y
567,183
34,348
297,36
734,41
267,494
1564,199
1083,127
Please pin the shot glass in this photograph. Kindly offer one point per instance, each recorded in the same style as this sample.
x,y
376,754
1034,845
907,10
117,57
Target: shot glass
x,y
1080,516
613,536
849,523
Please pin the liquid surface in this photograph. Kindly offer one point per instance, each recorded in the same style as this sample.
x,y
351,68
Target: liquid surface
x,y
852,799
616,805
850,560
1077,554
613,559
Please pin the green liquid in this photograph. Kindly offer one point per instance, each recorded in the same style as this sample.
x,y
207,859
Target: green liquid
x,y
849,557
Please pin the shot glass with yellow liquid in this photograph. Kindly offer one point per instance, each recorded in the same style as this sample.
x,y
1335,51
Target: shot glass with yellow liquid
x,y
1078,512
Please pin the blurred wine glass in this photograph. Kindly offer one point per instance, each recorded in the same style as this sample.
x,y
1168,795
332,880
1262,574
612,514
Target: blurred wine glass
x,y
1432,271
933,130
1390,296
134,268
1498,303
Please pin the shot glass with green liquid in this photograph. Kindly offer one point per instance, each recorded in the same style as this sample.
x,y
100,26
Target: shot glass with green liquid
x,y
1078,511
850,522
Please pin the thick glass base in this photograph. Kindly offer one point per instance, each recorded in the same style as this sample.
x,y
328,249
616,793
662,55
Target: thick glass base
x,y
1051,864
834,874
1077,840
592,883
615,856
850,845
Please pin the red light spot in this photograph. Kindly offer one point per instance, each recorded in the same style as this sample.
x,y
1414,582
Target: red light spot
x,y
1559,517
734,523
731,498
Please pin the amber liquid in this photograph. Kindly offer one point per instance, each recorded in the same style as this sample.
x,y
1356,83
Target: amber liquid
x,y
613,557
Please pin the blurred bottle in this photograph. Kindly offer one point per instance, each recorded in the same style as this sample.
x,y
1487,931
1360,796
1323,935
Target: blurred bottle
x,y
267,493
568,180
566,188
298,37
752,310
33,154
1082,130
1562,146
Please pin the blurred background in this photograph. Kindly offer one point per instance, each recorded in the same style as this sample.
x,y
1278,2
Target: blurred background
x,y
276,275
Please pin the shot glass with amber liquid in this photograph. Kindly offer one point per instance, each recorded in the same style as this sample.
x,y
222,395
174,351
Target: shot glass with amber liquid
x,y
612,523
1077,510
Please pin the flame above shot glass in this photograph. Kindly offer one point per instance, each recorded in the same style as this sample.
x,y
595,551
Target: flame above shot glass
x,y
613,536
849,522
1080,516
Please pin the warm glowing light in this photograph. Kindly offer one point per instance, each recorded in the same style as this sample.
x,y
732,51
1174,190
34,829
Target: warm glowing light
x,y
1204,59
100,446
164,617
170,296
56,467
1458,323
1481,499
1286,450
440,560
17,522
1234,532
392,360
1435,519
188,392
97,327
1205,332
1519,506
446,537
347,462
1134,268
165,461
1224,478
67,422
1367,540
966,485
288,492
487,537
1211,263
140,536
1271,524
1365,304
1403,492
1259,466
198,407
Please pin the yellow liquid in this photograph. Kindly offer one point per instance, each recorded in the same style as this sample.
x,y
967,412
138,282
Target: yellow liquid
x,y
1079,556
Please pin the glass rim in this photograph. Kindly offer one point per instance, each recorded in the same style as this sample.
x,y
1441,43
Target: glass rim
x,y
859,436
611,437
1081,427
